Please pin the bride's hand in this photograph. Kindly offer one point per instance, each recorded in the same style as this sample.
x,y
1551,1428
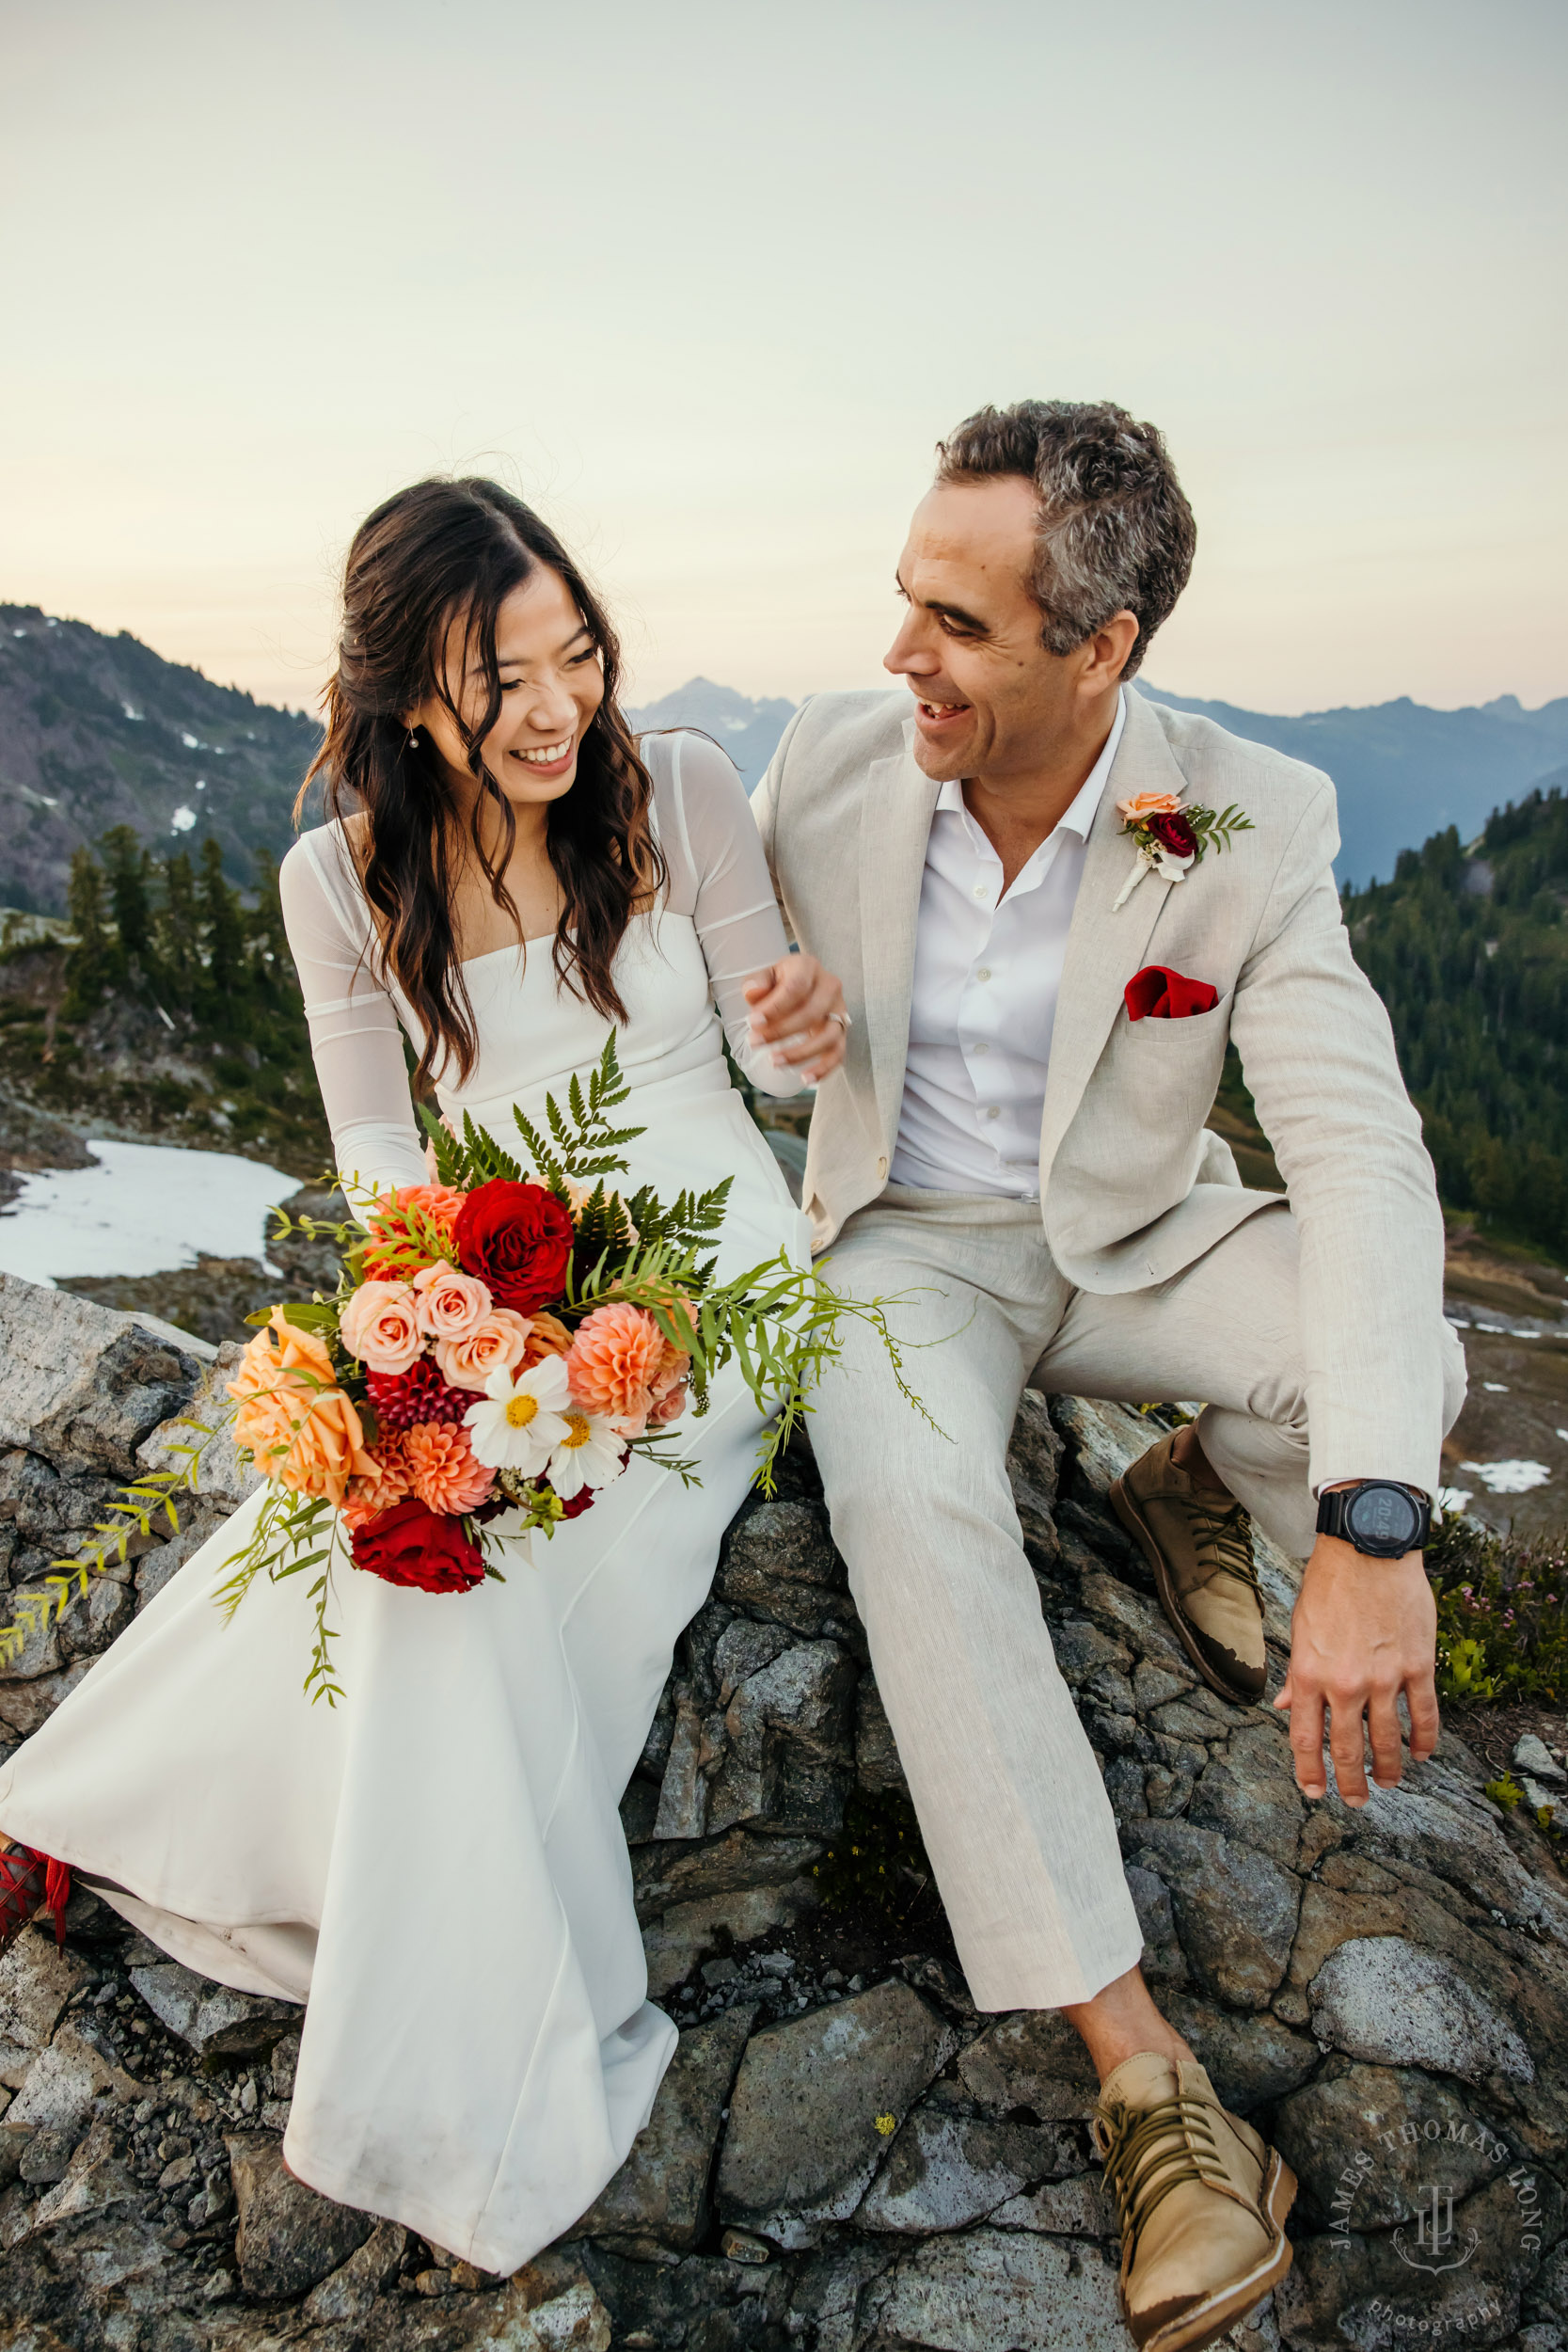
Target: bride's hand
x,y
798,1009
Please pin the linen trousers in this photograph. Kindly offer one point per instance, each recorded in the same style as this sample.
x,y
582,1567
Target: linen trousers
x,y
1011,1803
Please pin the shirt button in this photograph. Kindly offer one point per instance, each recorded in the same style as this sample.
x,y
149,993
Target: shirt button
x,y
980,891
995,1111
980,1048
983,973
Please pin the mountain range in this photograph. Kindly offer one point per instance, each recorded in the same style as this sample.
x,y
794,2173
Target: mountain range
x,y
97,731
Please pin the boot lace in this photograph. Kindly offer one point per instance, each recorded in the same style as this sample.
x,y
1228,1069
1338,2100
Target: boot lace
x,y
1226,1528
1149,2150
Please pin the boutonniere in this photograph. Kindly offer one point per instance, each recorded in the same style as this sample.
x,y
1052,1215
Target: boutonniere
x,y
1172,835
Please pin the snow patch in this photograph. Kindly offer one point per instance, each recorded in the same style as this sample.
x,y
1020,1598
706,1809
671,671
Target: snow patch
x,y
182,819
142,1208
1507,1478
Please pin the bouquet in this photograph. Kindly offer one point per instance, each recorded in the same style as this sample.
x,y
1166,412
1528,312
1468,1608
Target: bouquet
x,y
499,1344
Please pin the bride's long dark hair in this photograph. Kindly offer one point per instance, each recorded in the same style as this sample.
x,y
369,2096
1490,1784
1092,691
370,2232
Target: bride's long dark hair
x,y
441,553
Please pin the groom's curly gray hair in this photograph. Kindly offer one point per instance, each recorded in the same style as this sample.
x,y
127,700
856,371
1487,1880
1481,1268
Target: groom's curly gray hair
x,y
1115,532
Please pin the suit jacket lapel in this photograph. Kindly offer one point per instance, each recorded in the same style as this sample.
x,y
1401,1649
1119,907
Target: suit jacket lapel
x,y
895,824
1106,948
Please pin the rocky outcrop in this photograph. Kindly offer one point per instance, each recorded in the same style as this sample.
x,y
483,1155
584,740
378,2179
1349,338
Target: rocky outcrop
x,y
843,2155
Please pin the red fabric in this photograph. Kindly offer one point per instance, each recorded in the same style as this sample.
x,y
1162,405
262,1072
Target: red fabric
x,y
56,1894
1167,995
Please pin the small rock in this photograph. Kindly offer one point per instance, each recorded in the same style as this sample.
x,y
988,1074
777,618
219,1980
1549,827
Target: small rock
x,y
46,2153
1032,2059
65,2080
289,2238
177,2175
993,2288
1383,1999
431,2282
218,2287
739,2246
1531,1755
814,2105
1390,2124
214,2019
687,1931
1077,2207
661,2189
945,2169
1235,1908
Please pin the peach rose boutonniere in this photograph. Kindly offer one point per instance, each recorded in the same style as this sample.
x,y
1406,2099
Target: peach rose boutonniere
x,y
1172,835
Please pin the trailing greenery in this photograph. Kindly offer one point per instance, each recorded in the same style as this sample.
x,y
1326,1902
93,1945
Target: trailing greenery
x,y
1502,1614
1468,949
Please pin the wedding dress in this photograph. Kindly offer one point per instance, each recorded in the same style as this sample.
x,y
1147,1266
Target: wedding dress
x,y
438,1861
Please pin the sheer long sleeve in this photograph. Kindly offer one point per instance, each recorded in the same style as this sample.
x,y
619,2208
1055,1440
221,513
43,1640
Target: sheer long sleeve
x,y
354,1036
718,875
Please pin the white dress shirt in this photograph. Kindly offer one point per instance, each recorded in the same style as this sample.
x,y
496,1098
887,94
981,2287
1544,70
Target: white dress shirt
x,y
987,969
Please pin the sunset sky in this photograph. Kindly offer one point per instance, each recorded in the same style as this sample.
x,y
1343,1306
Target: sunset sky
x,y
706,282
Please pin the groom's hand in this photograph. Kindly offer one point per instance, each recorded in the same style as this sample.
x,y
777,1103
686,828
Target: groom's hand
x,y
1362,1631
798,1009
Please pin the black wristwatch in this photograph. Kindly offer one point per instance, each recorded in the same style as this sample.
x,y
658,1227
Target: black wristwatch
x,y
1380,1518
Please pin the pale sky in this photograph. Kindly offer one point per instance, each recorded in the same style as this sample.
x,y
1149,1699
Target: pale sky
x,y
705,282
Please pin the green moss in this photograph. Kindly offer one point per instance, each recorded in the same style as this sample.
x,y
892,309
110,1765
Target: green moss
x,y
1502,1614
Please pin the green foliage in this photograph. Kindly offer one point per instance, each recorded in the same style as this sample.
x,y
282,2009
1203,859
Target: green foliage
x,y
877,1862
1506,1793
1469,952
1213,828
216,979
1502,1614
134,1511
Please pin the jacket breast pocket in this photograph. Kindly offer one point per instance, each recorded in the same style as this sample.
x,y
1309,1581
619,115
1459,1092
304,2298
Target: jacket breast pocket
x,y
1196,1034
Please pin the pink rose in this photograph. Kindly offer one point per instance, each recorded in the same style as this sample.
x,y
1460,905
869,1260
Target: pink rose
x,y
381,1326
451,1303
497,1341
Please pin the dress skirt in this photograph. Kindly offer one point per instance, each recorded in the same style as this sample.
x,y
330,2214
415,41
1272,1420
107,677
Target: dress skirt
x,y
435,1865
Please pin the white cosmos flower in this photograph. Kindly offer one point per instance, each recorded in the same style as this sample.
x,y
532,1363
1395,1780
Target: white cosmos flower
x,y
520,1420
589,1454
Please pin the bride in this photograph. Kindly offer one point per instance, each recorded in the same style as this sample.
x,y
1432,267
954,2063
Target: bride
x,y
437,1866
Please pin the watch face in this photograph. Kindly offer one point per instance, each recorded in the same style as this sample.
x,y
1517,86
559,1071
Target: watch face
x,y
1386,1516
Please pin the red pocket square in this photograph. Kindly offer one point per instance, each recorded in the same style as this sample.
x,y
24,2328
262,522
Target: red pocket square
x,y
1167,995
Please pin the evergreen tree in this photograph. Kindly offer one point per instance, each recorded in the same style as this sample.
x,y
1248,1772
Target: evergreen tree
x,y
174,929
223,928
90,965
129,868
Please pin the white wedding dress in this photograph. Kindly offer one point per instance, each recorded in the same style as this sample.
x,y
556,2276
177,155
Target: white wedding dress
x,y
438,1862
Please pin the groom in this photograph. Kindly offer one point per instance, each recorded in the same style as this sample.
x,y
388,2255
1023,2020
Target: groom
x,y
1017,1138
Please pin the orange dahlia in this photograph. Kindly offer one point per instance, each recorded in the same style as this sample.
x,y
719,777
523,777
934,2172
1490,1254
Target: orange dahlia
x,y
621,1364
442,1470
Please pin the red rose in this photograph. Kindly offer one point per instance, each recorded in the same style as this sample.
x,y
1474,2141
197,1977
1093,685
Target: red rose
x,y
518,1238
413,1545
1173,832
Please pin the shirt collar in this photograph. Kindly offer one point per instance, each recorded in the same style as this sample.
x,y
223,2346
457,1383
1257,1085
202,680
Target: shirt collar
x,y
1080,814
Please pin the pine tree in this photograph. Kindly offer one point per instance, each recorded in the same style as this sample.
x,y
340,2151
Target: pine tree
x,y
89,967
129,867
174,929
222,924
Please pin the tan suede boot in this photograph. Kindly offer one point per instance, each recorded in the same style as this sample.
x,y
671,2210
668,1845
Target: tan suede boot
x,y
1198,1542
1202,2201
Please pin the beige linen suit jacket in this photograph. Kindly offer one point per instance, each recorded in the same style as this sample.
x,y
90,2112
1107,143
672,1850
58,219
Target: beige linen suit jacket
x,y
1133,1187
